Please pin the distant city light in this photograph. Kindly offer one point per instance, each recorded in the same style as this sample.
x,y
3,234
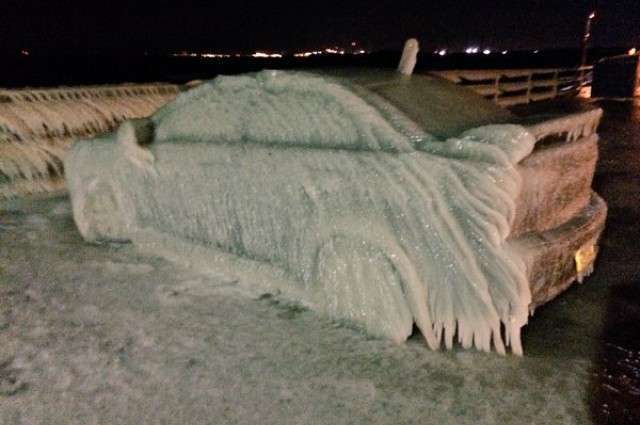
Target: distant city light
x,y
632,51
504,52
303,54
486,52
260,55
329,51
593,15
334,51
471,50
202,55
442,52
215,55
266,55
536,51
183,54
24,52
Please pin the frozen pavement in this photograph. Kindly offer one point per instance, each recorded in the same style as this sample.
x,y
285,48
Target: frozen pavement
x,y
97,334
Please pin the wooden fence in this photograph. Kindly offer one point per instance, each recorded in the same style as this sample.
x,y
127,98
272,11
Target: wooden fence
x,y
516,86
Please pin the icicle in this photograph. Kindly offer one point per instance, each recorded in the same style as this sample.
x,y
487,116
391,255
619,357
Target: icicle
x,y
572,126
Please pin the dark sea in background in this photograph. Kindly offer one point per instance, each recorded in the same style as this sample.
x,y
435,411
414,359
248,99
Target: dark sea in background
x,y
55,68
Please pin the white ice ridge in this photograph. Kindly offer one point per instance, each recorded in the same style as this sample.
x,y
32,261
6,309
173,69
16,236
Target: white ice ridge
x,y
314,188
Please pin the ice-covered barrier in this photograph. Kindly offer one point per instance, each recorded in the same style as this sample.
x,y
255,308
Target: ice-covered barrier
x,y
37,126
571,126
321,190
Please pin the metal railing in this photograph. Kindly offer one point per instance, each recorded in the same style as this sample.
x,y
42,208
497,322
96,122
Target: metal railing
x,y
516,86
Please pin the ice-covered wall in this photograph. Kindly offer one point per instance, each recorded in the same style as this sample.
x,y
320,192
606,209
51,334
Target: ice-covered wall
x,y
37,126
317,189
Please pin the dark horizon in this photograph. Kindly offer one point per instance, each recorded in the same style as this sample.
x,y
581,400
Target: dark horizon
x,y
244,26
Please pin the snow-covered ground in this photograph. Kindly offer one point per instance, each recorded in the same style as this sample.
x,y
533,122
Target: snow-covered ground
x,y
98,334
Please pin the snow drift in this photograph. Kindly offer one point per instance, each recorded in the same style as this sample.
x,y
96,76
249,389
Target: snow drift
x,y
322,191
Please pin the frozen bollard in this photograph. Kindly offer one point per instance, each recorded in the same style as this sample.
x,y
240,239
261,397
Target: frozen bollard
x,y
409,57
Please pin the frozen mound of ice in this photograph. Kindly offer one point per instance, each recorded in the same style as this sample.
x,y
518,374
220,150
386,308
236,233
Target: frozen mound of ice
x,y
318,190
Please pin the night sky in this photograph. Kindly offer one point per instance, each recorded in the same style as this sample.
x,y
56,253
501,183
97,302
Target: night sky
x,y
247,26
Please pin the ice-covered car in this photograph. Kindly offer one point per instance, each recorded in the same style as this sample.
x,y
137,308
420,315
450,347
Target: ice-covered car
x,y
370,196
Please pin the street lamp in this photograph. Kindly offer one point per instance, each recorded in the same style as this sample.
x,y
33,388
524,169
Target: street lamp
x,y
585,44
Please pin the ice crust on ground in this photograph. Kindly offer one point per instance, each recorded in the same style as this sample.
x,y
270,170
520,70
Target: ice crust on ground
x,y
317,189
82,343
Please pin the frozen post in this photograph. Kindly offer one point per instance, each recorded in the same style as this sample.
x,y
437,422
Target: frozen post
x,y
585,46
409,57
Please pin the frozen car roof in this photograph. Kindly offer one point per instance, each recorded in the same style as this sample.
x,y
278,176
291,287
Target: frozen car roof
x,y
442,108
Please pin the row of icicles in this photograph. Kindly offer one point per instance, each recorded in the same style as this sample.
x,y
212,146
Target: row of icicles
x,y
37,127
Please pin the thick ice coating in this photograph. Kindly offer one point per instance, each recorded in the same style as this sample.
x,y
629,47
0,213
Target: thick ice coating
x,y
319,190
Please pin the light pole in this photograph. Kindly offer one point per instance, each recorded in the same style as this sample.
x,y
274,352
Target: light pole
x,y
585,45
